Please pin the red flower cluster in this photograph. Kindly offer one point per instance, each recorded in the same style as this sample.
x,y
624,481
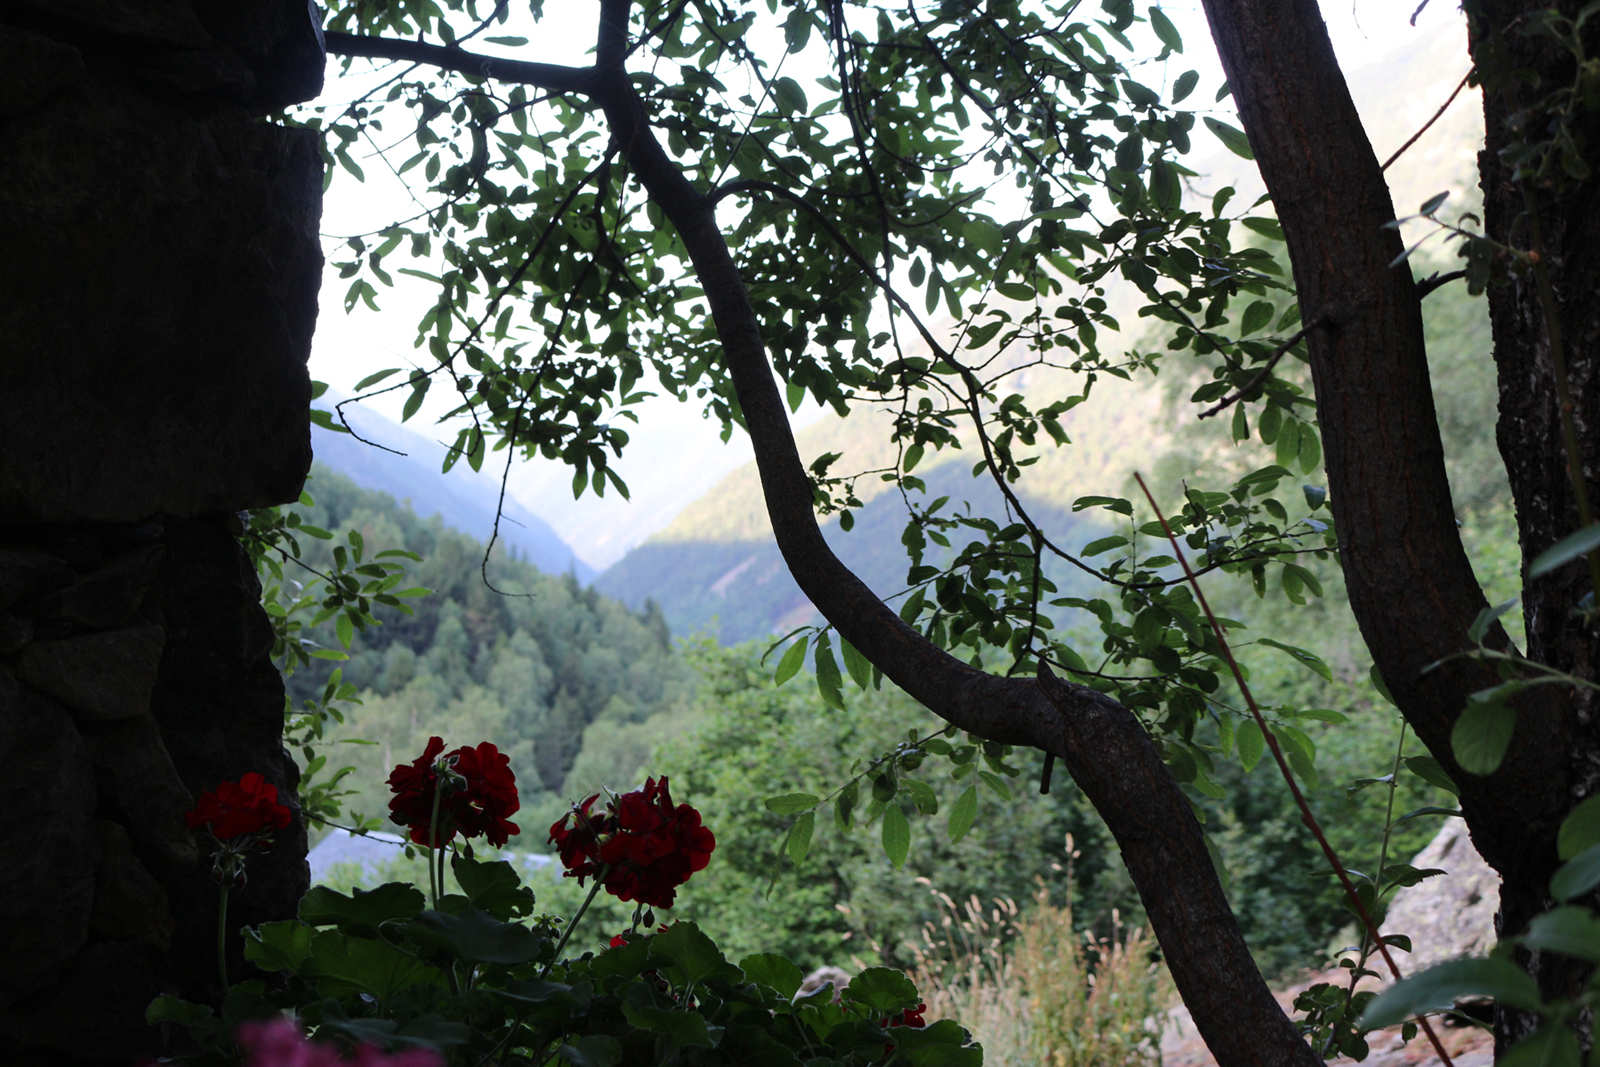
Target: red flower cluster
x,y
234,809
480,791
641,847
911,1017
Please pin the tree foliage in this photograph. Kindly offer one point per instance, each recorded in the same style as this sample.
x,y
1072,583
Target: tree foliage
x,y
735,191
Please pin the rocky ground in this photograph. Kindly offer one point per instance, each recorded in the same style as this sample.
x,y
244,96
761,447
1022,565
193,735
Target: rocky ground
x,y
1446,917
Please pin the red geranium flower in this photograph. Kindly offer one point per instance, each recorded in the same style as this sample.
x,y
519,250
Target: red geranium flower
x,y
234,809
642,847
480,792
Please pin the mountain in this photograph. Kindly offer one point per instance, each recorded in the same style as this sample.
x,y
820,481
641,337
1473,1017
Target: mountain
x,y
409,468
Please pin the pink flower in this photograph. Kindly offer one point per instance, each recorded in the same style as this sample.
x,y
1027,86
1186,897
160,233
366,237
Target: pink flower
x,y
280,1043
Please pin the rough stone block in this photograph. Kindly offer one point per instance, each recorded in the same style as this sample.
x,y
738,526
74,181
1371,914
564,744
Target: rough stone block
x,y
107,596
185,391
25,574
47,838
136,776
129,904
98,676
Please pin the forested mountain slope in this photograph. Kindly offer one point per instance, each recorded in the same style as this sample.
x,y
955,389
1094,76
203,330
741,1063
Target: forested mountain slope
x,y
531,663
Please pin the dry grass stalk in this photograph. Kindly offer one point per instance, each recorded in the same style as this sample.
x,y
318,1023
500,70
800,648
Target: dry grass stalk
x,y
1037,995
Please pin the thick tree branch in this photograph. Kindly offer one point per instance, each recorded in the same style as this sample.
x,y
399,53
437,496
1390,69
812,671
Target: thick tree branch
x,y
1410,584
1105,747
551,77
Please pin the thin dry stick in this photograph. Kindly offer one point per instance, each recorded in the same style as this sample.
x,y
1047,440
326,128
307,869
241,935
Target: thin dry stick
x,y
1436,115
1283,766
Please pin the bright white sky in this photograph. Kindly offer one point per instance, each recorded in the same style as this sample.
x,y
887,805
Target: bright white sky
x,y
349,347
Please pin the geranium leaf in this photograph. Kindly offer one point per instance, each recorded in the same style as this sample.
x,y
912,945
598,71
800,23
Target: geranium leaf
x,y
884,991
280,946
773,970
692,952
363,910
493,887
475,936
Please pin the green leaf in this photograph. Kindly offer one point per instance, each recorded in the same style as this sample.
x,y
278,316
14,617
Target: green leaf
x,y
1431,771
800,837
896,835
996,783
363,910
1232,137
1433,203
855,663
1257,315
493,887
1185,85
1268,228
475,936
1440,987
773,970
344,965
171,1009
694,954
1571,931
280,946
922,795
1566,550
1552,1045
883,991
963,813
1580,830
792,803
593,1050
374,379
789,96
791,663
1310,448
1252,743
1481,735
829,681
1578,876
1300,656
1165,30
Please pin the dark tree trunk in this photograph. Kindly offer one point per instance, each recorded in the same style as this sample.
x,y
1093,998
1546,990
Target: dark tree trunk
x,y
1411,586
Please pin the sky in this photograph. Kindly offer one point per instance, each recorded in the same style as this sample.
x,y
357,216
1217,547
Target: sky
x,y
348,347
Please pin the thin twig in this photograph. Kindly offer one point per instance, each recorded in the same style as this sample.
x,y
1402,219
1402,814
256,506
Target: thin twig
x,y
1273,362
1436,115
1283,766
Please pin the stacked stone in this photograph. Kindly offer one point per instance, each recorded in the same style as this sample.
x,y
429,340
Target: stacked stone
x,y
159,263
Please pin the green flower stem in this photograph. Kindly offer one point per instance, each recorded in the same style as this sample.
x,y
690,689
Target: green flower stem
x,y
573,925
433,844
222,937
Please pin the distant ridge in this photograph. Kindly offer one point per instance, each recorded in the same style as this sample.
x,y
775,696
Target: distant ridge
x,y
464,498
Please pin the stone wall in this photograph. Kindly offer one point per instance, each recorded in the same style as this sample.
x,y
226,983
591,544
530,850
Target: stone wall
x,y
159,264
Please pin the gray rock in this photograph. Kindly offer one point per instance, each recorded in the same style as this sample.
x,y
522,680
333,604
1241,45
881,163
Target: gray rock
x,y
99,676
47,836
32,67
15,632
136,775
129,904
1449,916
94,1015
170,22
27,574
186,389
107,596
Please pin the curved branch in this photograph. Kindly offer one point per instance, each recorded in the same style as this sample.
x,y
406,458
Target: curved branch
x,y
551,77
1103,744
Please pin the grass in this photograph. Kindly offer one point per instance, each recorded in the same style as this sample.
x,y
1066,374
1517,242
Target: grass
x,y
1037,994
